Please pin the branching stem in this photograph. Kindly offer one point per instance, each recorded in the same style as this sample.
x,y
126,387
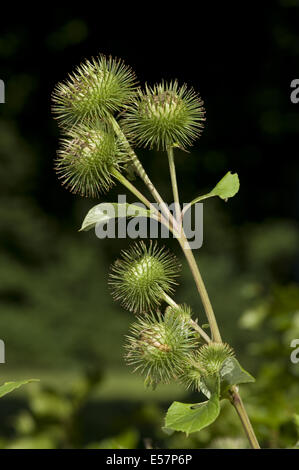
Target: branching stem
x,y
142,173
235,397
201,288
124,181
189,254
154,212
193,323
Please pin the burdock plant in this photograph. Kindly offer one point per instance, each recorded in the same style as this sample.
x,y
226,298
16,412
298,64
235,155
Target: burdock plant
x,y
103,116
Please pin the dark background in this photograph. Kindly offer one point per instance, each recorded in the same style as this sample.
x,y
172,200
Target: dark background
x,y
57,318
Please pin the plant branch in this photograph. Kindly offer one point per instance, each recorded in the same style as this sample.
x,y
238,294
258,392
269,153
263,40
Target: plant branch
x,y
154,212
201,288
193,323
174,183
142,173
180,235
235,397
238,404
182,240
133,189
202,333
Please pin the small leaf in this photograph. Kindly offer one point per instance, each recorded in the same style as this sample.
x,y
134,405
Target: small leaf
x,y
232,373
11,386
227,187
188,417
102,213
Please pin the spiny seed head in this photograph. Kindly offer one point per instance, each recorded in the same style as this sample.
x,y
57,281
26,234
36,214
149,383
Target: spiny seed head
x,y
165,115
184,312
87,157
98,87
159,347
211,356
139,279
191,377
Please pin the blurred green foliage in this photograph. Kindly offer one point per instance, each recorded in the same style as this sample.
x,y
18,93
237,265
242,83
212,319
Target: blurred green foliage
x,y
266,317
72,418
56,314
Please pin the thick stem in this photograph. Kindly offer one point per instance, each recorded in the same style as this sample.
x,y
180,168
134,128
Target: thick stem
x,y
189,254
201,288
182,240
235,397
237,402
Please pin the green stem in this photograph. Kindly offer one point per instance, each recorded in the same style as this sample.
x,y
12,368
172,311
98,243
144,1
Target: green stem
x,y
142,173
155,213
182,240
202,333
189,254
132,188
174,183
237,402
235,397
201,288
193,323
206,196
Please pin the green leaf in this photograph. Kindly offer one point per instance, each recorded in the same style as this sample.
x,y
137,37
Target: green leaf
x,y
102,213
210,385
227,187
188,417
11,386
232,373
168,431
